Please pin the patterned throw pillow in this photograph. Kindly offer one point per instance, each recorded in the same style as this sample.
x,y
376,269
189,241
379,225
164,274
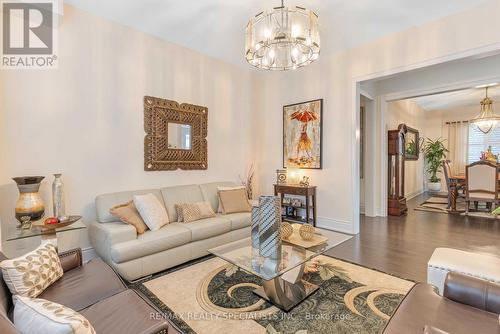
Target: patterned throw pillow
x,y
128,214
190,212
36,315
29,275
151,210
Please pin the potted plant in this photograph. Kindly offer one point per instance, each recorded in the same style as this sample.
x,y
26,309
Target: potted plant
x,y
434,152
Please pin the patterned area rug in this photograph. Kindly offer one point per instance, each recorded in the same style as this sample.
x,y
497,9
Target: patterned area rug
x,y
213,296
439,204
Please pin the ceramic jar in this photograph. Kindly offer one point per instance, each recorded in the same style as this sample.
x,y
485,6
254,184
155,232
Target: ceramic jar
x,y
29,203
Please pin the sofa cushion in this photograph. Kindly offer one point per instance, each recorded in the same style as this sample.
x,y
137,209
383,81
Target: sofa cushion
x,y
128,214
152,211
239,220
180,194
84,286
423,306
209,191
30,274
36,315
151,242
124,313
105,202
207,228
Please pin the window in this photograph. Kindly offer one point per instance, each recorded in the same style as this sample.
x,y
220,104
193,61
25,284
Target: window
x,y
479,142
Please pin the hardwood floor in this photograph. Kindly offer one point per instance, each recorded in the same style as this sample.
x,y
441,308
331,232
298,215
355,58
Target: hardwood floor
x,y
402,245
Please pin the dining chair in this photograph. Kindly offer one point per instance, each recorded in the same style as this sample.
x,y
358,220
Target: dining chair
x,y
448,174
481,183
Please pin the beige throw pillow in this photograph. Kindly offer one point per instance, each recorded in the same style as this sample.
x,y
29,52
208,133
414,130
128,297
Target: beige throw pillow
x,y
151,210
233,201
219,209
36,315
190,212
128,214
29,275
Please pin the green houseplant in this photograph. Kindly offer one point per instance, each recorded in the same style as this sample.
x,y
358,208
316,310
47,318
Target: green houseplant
x,y
434,152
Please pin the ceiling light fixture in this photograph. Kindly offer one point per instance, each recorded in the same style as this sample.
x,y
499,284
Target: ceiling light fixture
x,y
486,120
284,38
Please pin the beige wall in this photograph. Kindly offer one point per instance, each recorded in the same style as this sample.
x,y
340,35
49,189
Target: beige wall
x,y
332,78
85,119
409,113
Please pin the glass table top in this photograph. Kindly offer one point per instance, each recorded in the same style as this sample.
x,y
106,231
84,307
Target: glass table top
x,y
14,233
241,254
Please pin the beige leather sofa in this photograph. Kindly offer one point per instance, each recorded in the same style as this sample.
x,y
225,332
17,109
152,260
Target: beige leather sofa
x,y
134,256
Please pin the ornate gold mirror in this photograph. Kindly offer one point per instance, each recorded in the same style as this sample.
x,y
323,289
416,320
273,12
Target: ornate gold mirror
x,y
176,135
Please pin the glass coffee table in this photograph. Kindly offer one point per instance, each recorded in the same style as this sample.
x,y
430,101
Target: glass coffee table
x,y
283,283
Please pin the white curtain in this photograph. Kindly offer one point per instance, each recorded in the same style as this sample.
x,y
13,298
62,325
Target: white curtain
x,y
457,142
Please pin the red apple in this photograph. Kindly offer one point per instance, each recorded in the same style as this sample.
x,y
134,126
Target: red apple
x,y
51,221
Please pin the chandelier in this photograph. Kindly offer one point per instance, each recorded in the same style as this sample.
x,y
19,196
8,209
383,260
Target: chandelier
x,y
486,120
283,38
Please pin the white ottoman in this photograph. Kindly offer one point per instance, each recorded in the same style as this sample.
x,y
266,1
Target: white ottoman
x,y
444,260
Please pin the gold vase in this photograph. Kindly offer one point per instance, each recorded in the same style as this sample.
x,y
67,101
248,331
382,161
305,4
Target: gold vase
x,y
29,206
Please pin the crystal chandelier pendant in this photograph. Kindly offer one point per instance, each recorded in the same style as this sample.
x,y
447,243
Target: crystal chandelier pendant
x,y
284,38
486,120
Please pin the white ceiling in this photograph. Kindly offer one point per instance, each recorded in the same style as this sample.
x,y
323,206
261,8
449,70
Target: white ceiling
x,y
462,98
216,27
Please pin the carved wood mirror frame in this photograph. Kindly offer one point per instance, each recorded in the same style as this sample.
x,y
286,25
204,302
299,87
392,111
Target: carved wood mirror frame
x,y
157,155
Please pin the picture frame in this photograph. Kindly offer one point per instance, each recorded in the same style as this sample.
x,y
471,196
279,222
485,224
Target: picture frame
x,y
412,144
303,135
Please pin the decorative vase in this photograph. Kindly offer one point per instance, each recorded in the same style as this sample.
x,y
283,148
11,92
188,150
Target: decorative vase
x,y
269,227
58,205
29,206
255,223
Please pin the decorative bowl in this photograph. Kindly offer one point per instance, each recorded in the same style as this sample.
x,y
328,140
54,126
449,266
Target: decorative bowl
x,y
65,221
306,231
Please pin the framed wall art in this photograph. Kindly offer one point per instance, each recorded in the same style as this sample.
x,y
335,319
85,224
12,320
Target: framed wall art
x,y
302,135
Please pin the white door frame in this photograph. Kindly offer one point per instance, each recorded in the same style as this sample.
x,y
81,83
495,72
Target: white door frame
x,y
356,91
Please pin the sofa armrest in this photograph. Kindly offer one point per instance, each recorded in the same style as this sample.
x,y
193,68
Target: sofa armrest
x,y
71,259
472,291
104,235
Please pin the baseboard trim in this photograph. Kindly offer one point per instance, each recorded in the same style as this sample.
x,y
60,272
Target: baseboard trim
x,y
414,194
88,254
335,225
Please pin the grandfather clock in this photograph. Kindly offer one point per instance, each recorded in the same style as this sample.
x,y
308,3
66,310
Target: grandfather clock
x,y
396,171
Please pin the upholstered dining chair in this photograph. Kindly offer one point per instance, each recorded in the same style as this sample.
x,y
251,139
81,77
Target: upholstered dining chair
x,y
482,183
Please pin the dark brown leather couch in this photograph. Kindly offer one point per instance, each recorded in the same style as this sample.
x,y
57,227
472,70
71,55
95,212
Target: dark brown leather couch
x,y
96,292
468,306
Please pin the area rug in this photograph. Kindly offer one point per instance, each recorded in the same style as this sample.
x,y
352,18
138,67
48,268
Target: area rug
x,y
439,204
213,296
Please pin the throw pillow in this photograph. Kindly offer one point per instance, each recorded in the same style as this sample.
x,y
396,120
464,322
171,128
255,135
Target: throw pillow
x,y
151,210
128,214
36,315
219,209
178,209
233,201
190,212
29,275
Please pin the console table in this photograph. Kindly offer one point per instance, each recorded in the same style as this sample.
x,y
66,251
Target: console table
x,y
308,192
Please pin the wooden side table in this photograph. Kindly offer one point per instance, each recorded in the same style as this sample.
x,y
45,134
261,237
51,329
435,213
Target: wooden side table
x,y
308,192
